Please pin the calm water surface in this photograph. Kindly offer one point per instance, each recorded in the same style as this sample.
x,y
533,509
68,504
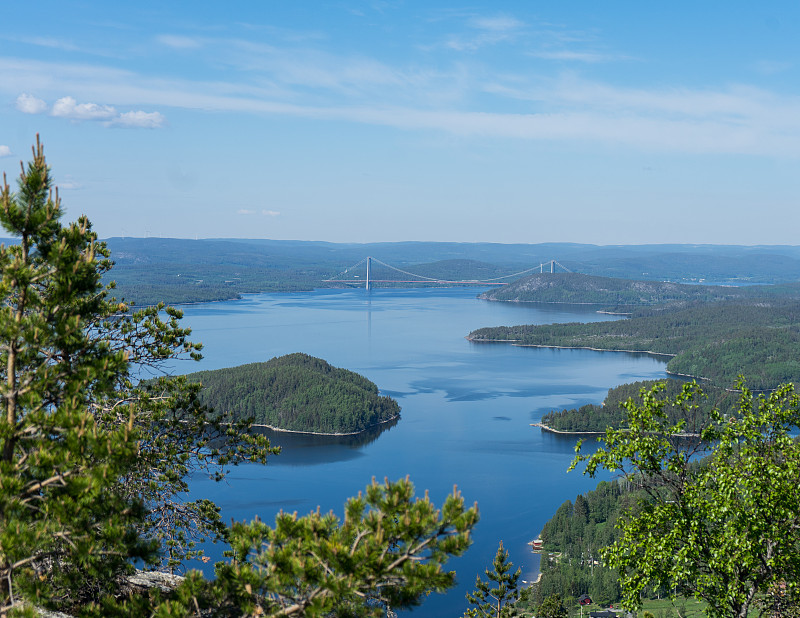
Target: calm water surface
x,y
466,409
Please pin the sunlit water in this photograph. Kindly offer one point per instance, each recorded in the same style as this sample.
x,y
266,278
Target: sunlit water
x,y
466,409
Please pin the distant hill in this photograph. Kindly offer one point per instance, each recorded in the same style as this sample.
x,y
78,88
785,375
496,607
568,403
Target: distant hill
x,y
297,392
149,270
614,292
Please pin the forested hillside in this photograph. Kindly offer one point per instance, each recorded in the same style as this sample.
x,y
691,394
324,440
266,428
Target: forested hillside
x,y
715,342
594,417
149,270
297,392
571,563
612,292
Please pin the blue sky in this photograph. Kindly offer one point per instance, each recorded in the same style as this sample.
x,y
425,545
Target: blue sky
x,y
361,121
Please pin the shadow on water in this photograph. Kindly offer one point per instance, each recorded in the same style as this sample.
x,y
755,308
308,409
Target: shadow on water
x,y
303,449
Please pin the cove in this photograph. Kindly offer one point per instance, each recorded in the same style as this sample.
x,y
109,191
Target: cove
x,y
466,409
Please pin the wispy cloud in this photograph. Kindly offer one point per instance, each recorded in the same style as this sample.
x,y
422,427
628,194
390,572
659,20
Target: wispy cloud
x,y
245,211
725,119
5,151
40,41
142,120
270,213
179,41
578,56
69,184
485,30
768,67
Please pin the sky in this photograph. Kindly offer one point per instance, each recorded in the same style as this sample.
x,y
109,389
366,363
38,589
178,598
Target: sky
x,y
615,122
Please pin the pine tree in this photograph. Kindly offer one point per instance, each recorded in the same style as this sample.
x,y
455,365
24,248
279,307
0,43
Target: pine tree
x,y
552,607
94,461
61,529
494,598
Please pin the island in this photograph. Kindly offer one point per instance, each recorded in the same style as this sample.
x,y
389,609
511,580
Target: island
x,y
298,393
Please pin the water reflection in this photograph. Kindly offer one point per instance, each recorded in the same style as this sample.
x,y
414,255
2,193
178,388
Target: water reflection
x,y
302,449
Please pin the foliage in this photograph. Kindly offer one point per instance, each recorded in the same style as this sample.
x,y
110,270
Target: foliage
x,y
716,342
611,413
56,459
573,540
297,392
495,597
94,461
552,607
724,529
389,551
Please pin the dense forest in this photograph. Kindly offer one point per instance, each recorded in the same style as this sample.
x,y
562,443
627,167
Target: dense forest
x,y
297,392
573,537
715,342
594,417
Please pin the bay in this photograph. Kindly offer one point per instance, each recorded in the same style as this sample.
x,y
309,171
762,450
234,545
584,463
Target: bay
x,y
466,409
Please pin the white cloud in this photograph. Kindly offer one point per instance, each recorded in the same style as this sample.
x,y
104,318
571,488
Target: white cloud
x,y
5,151
716,119
29,104
245,211
67,107
140,119
270,213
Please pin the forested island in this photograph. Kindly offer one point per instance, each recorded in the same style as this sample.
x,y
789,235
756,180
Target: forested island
x,y
297,392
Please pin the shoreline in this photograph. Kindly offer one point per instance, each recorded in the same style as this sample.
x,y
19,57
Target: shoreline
x,y
321,433
516,342
544,427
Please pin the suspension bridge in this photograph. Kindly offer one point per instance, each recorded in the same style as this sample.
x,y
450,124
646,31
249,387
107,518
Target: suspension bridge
x,y
349,275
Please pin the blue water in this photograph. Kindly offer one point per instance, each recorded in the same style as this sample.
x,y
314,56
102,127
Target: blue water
x,y
466,409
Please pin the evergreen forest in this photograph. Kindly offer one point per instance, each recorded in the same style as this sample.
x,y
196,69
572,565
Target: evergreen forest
x,y
297,392
571,563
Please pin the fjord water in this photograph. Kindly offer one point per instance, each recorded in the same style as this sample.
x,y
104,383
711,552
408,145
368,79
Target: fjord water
x,y
466,409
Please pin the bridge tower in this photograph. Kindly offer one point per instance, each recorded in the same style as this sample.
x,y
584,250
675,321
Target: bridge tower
x,y
369,263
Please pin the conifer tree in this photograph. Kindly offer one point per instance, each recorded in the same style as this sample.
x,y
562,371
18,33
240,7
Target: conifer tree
x,y
494,598
61,528
94,459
